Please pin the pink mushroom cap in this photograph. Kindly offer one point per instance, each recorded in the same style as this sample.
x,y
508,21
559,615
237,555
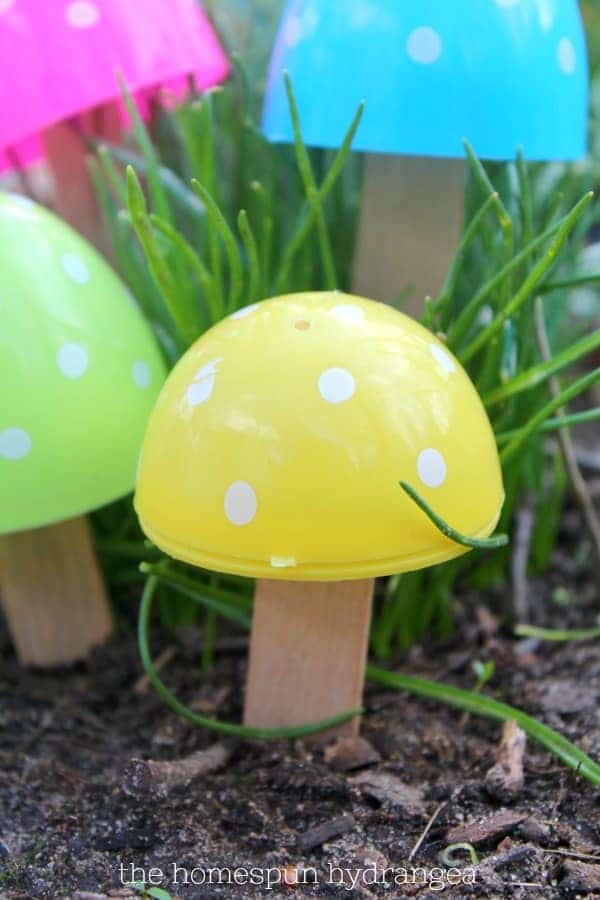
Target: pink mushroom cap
x,y
59,58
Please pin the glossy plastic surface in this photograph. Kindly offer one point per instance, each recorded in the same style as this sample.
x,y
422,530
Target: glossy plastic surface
x,y
79,372
503,73
59,58
278,441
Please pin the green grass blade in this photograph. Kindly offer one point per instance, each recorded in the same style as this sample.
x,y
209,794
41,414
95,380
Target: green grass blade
x,y
466,317
300,235
250,246
312,193
499,540
480,705
158,195
219,222
557,634
173,185
239,731
540,373
156,261
589,415
516,444
531,282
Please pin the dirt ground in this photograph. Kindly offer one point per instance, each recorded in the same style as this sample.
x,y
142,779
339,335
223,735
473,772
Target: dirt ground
x,y
74,807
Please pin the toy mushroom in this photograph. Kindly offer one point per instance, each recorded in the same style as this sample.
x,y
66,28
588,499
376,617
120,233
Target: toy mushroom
x,y
80,371
275,452
432,74
58,65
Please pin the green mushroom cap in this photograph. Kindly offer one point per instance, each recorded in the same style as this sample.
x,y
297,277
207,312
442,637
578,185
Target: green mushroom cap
x,y
79,372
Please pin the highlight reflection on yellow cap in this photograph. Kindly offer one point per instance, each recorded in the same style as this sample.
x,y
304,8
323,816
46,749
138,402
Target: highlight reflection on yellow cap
x,y
278,442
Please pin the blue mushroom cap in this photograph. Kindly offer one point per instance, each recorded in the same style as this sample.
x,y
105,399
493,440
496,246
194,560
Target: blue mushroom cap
x,y
505,74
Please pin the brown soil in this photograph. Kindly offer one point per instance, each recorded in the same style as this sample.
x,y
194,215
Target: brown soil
x,y
72,807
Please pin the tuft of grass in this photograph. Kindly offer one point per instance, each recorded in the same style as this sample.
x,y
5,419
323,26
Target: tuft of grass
x,y
212,218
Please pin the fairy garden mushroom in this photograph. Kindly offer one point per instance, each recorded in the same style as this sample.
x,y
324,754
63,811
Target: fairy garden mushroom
x,y
275,451
58,66
506,74
80,371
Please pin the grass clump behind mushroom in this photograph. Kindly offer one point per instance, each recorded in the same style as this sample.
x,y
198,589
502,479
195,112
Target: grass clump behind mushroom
x,y
225,219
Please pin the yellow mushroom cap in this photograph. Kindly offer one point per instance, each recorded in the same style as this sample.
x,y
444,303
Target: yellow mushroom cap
x,y
277,445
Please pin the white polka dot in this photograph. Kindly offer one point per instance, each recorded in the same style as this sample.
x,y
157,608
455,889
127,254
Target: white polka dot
x,y
431,467
567,58
240,503
209,369
14,443
200,391
75,268
244,311
82,14
336,385
72,360
424,45
5,5
141,374
349,312
443,358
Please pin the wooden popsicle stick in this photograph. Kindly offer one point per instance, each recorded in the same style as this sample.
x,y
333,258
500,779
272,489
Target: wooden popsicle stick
x,y
53,594
410,225
66,151
308,652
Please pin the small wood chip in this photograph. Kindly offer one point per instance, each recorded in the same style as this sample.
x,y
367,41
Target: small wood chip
x,y
349,753
153,777
479,831
142,685
580,878
504,781
390,792
326,831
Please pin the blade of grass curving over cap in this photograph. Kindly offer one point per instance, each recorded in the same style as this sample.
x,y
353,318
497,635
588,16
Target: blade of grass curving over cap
x,y
492,543
236,282
533,425
541,372
531,282
557,634
589,415
157,192
312,194
240,731
303,230
481,705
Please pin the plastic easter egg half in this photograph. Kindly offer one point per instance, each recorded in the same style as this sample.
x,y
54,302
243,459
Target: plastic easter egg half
x,y
79,369
505,74
279,440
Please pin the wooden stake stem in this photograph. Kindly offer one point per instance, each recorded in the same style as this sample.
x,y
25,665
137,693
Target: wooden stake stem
x,y
308,652
412,214
52,593
66,151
